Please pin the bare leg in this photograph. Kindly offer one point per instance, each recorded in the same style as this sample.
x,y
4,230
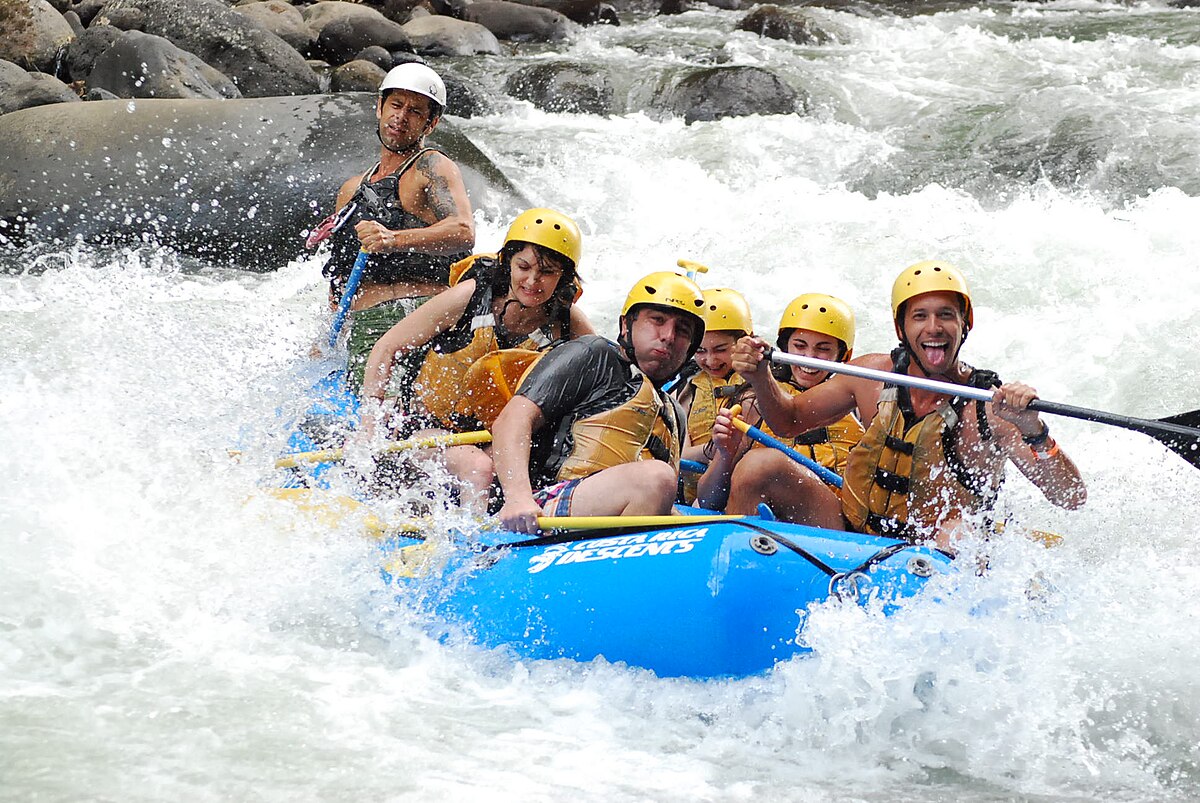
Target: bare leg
x,y
644,488
791,491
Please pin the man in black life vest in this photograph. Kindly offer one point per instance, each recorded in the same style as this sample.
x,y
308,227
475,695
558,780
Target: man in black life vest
x,y
590,431
927,462
410,213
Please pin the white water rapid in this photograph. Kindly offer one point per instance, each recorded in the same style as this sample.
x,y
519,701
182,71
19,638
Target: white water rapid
x,y
162,640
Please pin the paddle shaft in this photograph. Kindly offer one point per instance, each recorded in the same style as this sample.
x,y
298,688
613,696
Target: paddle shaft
x,y
333,455
1143,425
352,283
756,434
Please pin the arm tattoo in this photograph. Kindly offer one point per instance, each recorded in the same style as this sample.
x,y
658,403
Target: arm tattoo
x,y
437,193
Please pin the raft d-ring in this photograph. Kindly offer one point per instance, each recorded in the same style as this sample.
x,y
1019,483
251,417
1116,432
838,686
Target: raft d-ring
x,y
920,566
846,587
764,545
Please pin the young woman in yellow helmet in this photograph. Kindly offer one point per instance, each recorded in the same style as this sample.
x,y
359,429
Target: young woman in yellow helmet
x,y
726,318
744,473
928,464
521,299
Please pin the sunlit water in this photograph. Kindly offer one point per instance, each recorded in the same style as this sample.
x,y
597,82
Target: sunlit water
x,y
160,638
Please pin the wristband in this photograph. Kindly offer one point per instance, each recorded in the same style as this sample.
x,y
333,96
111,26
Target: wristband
x,y
1042,453
1038,439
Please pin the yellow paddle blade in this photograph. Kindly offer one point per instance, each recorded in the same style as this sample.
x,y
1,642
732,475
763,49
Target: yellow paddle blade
x,y
334,455
411,561
337,512
493,379
615,522
1046,539
692,267
332,511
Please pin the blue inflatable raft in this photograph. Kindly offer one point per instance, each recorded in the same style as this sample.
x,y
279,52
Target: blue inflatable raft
x,y
719,598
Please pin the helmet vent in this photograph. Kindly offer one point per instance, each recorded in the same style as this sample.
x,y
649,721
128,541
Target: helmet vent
x,y
650,290
823,309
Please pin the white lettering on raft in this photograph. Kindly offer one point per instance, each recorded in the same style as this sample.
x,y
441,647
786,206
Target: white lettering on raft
x,y
674,542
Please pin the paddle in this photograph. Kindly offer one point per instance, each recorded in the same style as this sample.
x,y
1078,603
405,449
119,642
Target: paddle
x,y
756,434
333,455
620,522
1178,432
339,318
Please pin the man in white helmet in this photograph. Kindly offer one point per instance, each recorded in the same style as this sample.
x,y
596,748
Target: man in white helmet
x,y
410,213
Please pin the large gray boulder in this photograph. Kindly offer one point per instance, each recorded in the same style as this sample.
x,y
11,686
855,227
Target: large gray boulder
x,y
715,92
35,89
83,52
520,23
585,12
789,24
140,65
341,39
282,19
259,62
563,87
446,36
32,33
234,181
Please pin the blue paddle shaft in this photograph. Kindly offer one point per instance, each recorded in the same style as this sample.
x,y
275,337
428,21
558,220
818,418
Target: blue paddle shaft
x,y
827,476
339,319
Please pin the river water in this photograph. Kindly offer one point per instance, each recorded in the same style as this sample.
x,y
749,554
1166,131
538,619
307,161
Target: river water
x,y
163,639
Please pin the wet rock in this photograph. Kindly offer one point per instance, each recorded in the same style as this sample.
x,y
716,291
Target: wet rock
x,y
259,62
125,19
87,10
789,24
716,92
465,99
346,35
446,36
563,87
379,56
584,12
96,93
728,5
83,52
513,21
33,33
76,24
356,76
402,11
233,181
38,89
282,19
140,65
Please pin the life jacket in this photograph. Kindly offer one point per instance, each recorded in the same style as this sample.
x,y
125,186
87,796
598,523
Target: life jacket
x,y
829,446
646,427
707,401
380,201
906,475
441,386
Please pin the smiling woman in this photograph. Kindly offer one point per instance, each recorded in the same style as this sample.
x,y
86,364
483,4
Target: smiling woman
x,y
520,300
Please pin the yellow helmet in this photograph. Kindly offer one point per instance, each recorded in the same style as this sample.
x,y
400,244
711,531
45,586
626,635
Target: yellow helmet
x,y
549,229
668,289
726,310
818,312
931,276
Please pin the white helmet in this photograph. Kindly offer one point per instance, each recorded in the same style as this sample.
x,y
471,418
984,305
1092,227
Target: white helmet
x,y
417,78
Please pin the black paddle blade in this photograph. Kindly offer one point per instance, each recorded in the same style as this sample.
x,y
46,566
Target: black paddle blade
x,y
1186,446
1179,433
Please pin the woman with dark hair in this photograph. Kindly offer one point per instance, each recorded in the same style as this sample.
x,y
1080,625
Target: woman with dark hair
x,y
520,302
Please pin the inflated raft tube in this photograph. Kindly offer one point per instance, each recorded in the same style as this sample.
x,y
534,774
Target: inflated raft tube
x,y
718,599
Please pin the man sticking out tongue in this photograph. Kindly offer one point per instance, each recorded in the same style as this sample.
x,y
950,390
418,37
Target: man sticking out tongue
x,y
928,463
